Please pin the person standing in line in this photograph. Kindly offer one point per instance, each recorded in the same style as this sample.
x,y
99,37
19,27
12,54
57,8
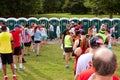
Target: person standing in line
x,y
94,30
17,46
104,63
68,46
63,37
43,31
58,32
27,39
6,51
37,39
51,31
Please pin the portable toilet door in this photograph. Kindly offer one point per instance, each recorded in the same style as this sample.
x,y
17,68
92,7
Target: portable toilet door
x,y
22,21
54,22
106,21
43,20
11,22
85,23
63,23
116,22
2,21
32,20
96,22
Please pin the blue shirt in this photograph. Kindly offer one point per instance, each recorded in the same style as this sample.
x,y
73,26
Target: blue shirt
x,y
37,35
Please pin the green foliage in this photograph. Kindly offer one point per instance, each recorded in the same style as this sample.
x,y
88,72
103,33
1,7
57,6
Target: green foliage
x,y
78,8
51,6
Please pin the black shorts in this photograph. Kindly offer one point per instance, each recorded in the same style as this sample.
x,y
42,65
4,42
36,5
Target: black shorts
x,y
32,38
7,58
68,49
27,44
37,41
17,51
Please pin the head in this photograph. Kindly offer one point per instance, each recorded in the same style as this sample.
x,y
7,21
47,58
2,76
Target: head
x,y
16,26
96,42
77,33
104,62
79,23
84,41
68,26
26,26
3,28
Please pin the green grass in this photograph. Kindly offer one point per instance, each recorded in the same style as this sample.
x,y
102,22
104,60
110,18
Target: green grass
x,y
68,15
49,66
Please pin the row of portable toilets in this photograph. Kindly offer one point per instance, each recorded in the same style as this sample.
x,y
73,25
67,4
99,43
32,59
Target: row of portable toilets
x,y
86,22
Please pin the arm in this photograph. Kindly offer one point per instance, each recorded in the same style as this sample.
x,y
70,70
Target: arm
x,y
75,45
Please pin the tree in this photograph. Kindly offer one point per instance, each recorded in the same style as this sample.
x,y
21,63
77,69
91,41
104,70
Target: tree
x,y
17,8
51,5
109,6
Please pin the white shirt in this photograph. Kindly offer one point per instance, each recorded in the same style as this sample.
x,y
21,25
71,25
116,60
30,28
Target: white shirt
x,y
51,28
83,62
58,30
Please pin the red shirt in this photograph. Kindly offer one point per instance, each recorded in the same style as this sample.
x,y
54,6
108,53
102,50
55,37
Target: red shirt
x,y
87,73
16,37
77,27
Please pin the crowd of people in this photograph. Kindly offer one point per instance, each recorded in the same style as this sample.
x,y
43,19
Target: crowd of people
x,y
91,51
14,43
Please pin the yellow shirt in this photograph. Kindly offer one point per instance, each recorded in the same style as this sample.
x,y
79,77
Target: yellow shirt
x,y
5,43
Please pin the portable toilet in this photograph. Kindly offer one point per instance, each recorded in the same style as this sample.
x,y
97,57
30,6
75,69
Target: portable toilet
x,y
54,21
22,21
96,22
63,23
106,21
75,20
32,20
11,22
116,23
85,23
3,20
43,20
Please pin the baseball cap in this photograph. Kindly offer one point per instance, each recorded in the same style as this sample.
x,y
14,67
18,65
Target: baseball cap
x,y
17,25
95,42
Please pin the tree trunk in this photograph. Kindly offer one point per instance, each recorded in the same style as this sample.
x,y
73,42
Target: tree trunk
x,y
110,15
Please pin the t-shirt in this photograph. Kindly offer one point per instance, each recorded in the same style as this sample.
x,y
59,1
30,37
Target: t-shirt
x,y
5,42
67,41
58,30
16,37
26,35
83,62
37,35
85,75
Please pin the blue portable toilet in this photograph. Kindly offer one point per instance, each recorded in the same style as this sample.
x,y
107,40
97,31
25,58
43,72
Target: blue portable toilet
x,y
32,20
96,22
63,23
54,21
22,21
85,23
11,22
106,21
3,20
45,20
116,21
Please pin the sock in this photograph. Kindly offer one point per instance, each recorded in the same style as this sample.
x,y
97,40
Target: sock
x,y
15,66
21,65
5,76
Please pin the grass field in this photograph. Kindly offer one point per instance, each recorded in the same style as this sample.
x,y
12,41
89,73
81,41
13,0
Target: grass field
x,y
49,66
68,15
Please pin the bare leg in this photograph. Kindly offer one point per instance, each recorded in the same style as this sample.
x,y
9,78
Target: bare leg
x,y
4,69
12,68
67,56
